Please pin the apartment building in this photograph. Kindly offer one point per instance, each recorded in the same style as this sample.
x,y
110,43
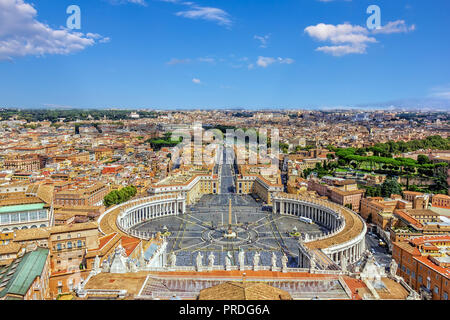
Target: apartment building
x,y
424,264
83,194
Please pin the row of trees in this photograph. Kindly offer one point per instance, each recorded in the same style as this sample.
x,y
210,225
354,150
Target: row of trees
x,y
69,115
348,156
391,148
119,196
163,142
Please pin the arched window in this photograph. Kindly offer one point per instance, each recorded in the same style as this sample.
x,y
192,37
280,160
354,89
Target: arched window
x,y
58,246
79,243
69,245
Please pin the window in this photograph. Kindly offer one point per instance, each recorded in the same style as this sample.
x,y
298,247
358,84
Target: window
x,y
58,246
413,274
42,214
33,215
14,217
436,289
79,243
4,218
407,271
69,245
445,296
419,279
68,236
23,217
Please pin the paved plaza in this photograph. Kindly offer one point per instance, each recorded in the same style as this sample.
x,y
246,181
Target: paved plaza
x,y
202,228
257,229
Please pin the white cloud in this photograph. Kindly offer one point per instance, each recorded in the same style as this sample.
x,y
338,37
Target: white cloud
x,y
341,33
21,34
398,26
264,62
263,40
285,60
342,49
346,38
217,15
196,81
351,39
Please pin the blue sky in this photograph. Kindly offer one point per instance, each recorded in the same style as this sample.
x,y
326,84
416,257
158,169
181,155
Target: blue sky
x,y
223,54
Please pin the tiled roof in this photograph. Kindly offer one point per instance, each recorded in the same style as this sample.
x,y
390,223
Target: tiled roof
x,y
129,244
403,215
73,227
439,238
31,234
426,261
10,248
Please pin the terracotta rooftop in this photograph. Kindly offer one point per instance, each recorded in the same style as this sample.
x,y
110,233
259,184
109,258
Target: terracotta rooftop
x,y
426,261
421,240
405,216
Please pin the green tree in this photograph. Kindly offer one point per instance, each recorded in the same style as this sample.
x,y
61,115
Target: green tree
x,y
390,186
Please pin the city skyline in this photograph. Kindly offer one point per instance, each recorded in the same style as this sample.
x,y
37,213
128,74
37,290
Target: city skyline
x,y
171,54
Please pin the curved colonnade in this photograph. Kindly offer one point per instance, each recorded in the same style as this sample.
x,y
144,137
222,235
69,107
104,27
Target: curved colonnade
x,y
346,238
149,208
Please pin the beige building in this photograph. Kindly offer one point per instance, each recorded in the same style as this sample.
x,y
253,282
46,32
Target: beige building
x,y
192,184
260,180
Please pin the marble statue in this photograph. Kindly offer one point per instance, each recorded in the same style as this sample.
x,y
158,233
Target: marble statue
x,y
284,261
344,263
211,258
312,263
199,260
228,259
105,266
241,257
256,259
96,264
274,260
393,268
173,259
132,267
